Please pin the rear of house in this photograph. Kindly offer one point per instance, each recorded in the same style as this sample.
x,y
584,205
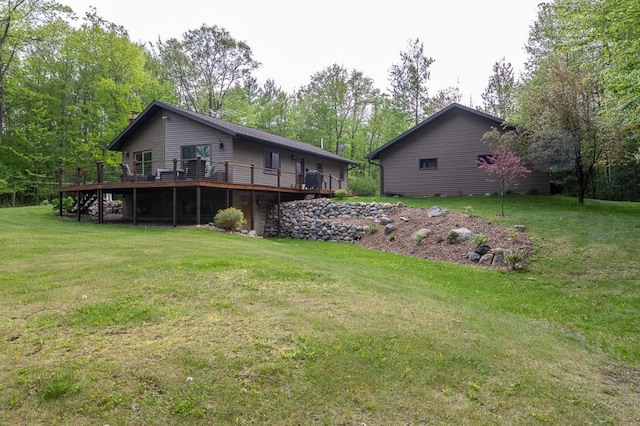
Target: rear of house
x,y
182,166
440,157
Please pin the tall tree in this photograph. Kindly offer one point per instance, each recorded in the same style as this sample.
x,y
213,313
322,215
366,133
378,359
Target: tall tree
x,y
445,97
409,81
334,106
70,95
499,96
561,100
18,21
205,65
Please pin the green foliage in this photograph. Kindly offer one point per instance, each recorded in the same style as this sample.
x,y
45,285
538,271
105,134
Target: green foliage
x,y
364,186
409,80
57,385
341,193
513,258
67,204
372,229
452,237
230,219
418,238
478,239
439,239
499,96
205,64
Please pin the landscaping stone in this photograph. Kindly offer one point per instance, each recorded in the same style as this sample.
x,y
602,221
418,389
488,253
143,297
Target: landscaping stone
x,y
462,234
436,211
482,249
486,259
472,256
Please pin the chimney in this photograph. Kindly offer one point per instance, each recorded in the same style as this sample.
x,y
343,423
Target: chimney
x,y
134,115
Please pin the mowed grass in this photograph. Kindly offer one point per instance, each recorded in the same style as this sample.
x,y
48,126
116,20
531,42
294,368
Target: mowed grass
x,y
112,324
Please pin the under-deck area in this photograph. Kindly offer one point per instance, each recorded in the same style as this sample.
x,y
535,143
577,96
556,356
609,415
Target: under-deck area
x,y
189,191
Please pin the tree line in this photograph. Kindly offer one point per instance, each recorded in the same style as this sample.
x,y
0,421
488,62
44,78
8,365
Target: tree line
x,y
66,91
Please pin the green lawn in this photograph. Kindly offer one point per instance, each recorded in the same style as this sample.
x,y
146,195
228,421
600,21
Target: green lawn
x,y
114,324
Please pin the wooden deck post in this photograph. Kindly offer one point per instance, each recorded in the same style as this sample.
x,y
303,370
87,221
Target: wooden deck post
x,y
60,179
226,173
198,202
175,206
135,206
175,169
78,203
253,211
279,215
100,167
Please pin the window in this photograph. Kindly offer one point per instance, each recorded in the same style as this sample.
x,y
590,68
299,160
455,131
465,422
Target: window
x,y
193,151
271,161
428,163
143,162
319,167
486,158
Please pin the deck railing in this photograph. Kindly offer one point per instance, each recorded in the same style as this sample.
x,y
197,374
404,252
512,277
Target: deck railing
x,y
194,169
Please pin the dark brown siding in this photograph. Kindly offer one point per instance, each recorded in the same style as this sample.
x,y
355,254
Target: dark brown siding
x,y
455,139
182,131
253,153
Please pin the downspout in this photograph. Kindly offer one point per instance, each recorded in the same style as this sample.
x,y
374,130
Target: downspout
x,y
381,175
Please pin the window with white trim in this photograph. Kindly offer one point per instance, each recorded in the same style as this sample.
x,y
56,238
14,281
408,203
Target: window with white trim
x,y
143,162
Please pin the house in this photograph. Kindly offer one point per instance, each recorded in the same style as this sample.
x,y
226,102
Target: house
x,y
439,156
181,166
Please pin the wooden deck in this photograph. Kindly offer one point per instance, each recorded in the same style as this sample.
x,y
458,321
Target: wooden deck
x,y
87,183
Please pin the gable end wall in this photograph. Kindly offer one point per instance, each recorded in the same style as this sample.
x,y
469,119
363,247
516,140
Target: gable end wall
x,y
456,141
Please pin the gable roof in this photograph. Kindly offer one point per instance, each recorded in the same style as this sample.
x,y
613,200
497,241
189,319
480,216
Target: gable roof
x,y
429,121
231,129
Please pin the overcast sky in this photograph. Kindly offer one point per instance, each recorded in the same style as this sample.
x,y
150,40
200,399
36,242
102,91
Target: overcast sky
x,y
295,39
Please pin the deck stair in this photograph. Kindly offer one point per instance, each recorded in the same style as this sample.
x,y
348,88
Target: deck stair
x,y
85,201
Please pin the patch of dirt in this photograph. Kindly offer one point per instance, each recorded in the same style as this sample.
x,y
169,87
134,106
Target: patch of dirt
x,y
409,220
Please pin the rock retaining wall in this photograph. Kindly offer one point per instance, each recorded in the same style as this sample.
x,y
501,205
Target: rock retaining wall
x,y
323,219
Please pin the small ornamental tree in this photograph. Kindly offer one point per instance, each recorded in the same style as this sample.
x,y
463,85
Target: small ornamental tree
x,y
503,163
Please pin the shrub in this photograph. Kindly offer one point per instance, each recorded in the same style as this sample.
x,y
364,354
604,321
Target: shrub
x,y
452,238
230,219
364,186
418,237
513,258
67,204
478,239
372,229
439,239
341,193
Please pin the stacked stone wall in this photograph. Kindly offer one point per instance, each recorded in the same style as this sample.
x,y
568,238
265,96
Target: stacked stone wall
x,y
323,219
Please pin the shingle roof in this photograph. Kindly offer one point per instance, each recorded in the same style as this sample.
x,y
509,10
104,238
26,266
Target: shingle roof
x,y
425,123
232,129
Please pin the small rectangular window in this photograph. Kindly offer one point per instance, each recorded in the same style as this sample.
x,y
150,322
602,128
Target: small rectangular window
x,y
271,161
428,163
486,158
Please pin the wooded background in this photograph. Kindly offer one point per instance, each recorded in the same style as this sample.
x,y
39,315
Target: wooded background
x,y
66,90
